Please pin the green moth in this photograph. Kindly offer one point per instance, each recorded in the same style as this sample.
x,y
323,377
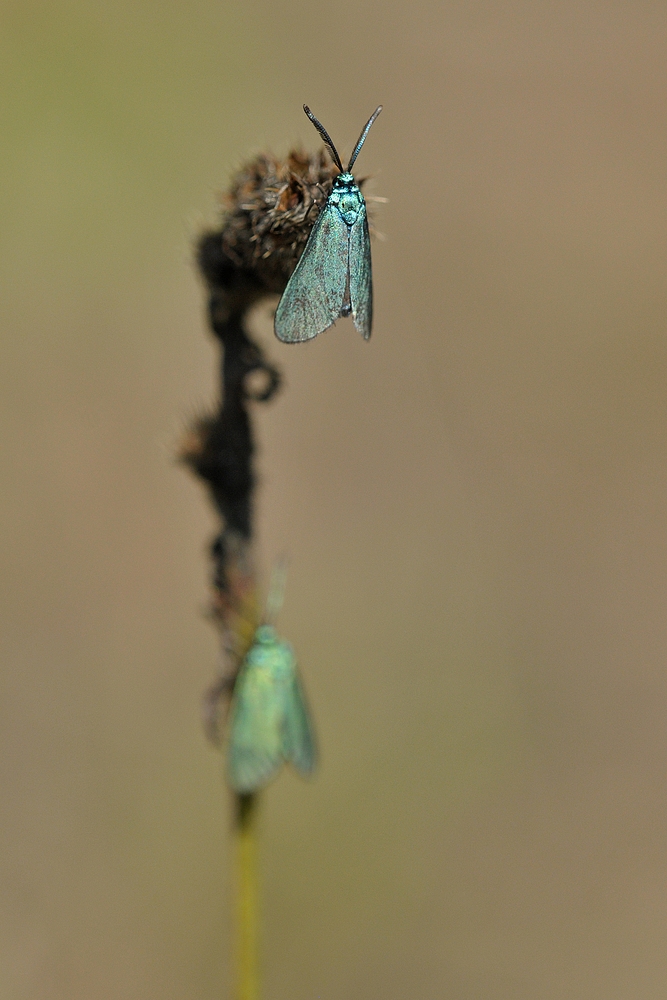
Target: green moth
x,y
269,720
333,277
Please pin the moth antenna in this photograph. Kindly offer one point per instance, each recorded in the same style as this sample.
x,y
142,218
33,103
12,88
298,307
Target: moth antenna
x,y
325,135
274,601
362,137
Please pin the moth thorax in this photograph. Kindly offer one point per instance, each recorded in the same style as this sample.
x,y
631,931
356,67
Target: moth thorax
x,y
347,197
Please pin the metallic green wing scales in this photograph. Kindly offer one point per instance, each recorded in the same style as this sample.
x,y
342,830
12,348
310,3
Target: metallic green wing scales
x,y
255,742
313,298
361,275
298,739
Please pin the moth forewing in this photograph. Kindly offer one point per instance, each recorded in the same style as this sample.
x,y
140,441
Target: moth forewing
x,y
298,739
361,275
313,298
255,734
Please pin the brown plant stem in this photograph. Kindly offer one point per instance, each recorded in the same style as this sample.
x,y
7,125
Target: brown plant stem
x,y
268,214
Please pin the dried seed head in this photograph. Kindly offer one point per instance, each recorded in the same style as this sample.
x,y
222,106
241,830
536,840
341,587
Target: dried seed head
x,y
269,211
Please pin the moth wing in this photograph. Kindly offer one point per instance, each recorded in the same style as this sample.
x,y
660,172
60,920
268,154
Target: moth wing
x,y
255,739
313,297
361,275
298,738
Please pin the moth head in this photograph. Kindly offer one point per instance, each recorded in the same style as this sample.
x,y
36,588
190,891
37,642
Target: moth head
x,y
265,635
344,181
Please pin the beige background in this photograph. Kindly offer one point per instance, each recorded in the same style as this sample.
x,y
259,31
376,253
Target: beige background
x,y
475,504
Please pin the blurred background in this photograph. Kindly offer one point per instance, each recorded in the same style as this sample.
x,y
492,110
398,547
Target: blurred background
x,y
474,504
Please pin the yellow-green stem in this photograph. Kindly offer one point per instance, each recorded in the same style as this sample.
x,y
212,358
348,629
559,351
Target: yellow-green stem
x,y
246,832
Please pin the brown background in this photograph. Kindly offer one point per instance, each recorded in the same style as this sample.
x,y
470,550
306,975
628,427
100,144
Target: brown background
x,y
475,504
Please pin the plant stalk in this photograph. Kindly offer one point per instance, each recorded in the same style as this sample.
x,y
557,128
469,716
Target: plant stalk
x,y
247,913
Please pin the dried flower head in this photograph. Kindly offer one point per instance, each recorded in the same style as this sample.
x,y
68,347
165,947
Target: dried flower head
x,y
269,210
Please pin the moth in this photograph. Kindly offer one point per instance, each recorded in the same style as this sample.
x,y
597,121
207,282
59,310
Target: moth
x,y
333,277
269,719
